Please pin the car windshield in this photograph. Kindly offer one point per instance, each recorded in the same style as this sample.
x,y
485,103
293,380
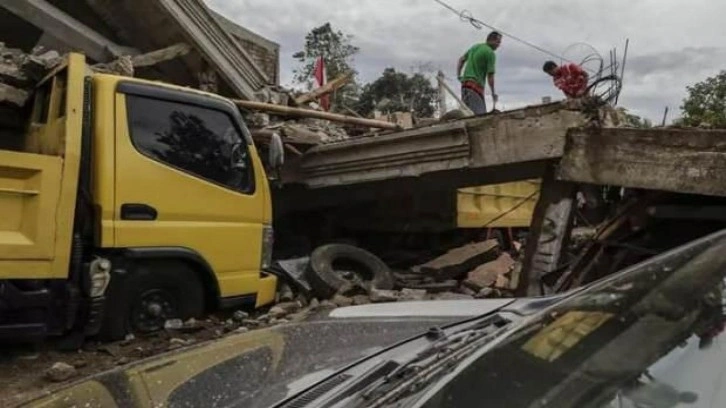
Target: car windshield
x,y
646,338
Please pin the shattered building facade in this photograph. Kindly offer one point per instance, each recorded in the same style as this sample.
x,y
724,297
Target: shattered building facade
x,y
222,56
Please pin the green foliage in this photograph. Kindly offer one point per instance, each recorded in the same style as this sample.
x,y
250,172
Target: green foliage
x,y
338,51
633,120
398,92
705,104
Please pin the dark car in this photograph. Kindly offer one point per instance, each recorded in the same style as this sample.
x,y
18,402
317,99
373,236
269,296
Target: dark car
x,y
649,336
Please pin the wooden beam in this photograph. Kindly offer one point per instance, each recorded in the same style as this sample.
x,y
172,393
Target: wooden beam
x,y
306,113
331,86
462,105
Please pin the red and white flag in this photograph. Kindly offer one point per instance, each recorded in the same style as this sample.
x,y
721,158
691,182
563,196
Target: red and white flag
x,y
321,78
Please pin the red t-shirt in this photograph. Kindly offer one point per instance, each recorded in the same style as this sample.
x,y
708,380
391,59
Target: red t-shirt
x,y
571,79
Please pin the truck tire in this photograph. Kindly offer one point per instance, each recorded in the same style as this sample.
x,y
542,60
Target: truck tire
x,y
154,292
335,266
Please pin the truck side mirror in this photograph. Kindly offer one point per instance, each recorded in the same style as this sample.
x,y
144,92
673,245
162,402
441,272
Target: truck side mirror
x,y
276,156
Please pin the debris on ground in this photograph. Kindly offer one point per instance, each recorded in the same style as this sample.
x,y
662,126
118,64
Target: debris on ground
x,y
20,72
491,274
60,372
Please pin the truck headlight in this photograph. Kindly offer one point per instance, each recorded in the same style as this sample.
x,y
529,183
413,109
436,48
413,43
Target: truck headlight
x,y
268,239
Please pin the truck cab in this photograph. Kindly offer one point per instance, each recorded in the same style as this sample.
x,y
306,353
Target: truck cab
x,y
127,203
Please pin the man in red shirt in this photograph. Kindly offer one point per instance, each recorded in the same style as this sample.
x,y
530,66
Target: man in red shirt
x,y
569,78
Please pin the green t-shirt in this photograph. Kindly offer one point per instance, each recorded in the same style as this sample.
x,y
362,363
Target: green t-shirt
x,y
480,60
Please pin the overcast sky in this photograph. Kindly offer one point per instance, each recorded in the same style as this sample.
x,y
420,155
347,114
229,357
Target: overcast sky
x,y
672,43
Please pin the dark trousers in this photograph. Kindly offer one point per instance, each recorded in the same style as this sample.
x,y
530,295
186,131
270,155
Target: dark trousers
x,y
474,101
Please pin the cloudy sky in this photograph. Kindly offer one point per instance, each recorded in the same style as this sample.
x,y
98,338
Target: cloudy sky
x,y
672,43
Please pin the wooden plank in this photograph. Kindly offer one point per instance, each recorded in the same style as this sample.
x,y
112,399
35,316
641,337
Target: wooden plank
x,y
677,160
325,89
307,113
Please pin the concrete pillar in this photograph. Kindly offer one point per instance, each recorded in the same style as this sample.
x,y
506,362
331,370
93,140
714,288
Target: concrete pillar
x,y
549,233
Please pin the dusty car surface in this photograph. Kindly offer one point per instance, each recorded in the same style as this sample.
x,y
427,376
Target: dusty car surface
x,y
647,336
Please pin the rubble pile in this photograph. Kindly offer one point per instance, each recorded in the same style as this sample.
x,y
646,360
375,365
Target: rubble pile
x,y
474,271
20,72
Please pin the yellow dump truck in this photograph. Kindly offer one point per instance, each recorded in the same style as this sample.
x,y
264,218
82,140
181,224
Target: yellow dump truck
x,y
128,203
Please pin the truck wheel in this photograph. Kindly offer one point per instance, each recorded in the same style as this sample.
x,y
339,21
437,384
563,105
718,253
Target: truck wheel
x,y
335,266
155,292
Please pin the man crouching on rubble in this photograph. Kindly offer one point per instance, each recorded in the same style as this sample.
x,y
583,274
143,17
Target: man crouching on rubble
x,y
479,67
570,78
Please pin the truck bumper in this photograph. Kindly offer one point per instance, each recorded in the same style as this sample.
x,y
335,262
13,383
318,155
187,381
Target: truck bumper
x,y
267,290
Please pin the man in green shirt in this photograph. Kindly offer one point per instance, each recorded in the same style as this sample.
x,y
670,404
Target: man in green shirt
x,y
478,68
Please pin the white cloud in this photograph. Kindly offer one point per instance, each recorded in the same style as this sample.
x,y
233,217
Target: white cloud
x,y
673,44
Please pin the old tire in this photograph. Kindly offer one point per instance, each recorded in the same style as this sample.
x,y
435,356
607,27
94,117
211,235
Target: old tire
x,y
331,266
155,291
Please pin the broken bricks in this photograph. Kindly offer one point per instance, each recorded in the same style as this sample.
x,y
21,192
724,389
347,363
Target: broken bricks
x,y
491,274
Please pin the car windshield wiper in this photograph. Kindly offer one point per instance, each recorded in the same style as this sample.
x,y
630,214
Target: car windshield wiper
x,y
445,352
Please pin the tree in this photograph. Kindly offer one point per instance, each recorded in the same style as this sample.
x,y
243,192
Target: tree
x,y
338,52
395,92
706,103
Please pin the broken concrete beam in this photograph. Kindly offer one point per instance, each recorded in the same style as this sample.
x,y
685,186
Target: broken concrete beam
x,y
459,261
158,56
491,274
689,161
62,26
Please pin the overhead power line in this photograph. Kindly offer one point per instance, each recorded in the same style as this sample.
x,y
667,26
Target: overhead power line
x,y
467,16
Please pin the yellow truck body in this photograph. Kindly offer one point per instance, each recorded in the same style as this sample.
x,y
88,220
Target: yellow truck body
x,y
126,180
507,205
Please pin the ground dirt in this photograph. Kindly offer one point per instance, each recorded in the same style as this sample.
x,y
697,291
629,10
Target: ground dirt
x,y
23,367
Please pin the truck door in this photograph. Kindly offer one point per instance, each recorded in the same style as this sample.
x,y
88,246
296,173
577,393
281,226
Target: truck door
x,y
186,180
38,185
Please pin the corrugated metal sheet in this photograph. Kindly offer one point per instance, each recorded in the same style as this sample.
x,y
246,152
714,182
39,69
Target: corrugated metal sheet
x,y
498,205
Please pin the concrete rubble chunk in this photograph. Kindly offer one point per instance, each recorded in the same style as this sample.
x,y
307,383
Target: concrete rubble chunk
x,y
240,315
328,304
486,293
13,95
413,294
459,261
286,294
488,274
382,296
173,324
342,301
277,312
60,372
250,322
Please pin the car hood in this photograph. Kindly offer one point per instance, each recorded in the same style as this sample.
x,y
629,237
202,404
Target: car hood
x,y
263,367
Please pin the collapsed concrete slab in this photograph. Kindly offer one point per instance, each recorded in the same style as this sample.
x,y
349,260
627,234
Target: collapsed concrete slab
x,y
107,29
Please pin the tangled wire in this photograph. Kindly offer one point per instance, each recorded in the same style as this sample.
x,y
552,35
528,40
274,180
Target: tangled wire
x,y
602,86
